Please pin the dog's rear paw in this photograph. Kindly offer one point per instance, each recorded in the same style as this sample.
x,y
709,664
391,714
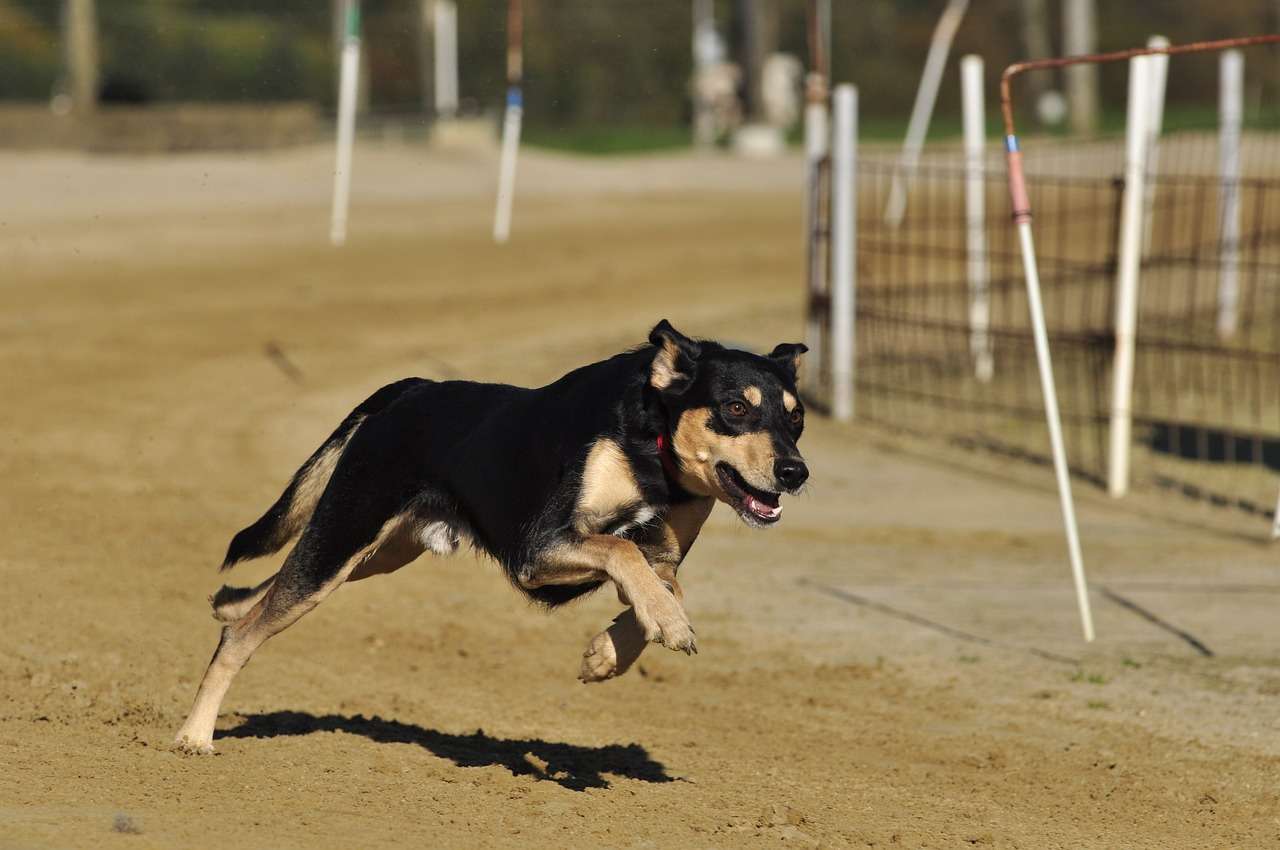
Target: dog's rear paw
x,y
186,745
600,661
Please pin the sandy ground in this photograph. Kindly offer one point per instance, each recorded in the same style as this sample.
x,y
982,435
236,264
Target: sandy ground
x,y
897,664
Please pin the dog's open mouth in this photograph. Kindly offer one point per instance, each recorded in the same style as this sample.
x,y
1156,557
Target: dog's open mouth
x,y
754,505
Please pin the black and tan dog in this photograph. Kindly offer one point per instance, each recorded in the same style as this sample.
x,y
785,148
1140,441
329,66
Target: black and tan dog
x,y
606,475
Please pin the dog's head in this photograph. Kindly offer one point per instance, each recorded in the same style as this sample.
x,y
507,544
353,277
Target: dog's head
x,y
734,419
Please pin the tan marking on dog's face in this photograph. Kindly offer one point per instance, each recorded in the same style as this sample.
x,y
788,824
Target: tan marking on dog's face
x,y
608,485
753,395
700,449
788,401
664,373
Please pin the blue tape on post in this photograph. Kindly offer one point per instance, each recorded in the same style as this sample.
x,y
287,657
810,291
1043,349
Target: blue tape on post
x,y
514,97
1011,144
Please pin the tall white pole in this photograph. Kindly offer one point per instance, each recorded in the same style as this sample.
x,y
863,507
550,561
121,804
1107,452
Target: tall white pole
x,y
1155,123
510,123
935,64
348,88
844,235
1128,266
445,34
507,166
975,203
817,139
1230,117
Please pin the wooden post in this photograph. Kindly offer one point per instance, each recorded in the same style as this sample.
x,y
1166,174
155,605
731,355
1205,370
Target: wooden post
x,y
80,40
1079,37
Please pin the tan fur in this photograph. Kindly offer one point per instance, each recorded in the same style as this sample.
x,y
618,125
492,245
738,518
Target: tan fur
x,y
398,544
664,372
700,449
602,557
753,395
788,401
608,485
612,652
311,486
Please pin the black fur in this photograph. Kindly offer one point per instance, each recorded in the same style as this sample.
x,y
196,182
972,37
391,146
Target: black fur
x,y
269,532
505,463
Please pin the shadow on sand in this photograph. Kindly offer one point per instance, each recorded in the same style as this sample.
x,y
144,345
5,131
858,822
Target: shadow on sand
x,y
569,765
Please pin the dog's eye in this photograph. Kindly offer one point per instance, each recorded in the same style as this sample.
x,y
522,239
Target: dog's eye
x,y
797,417
736,408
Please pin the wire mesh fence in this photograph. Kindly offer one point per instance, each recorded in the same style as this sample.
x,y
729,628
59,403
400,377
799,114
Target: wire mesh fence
x,y
1206,401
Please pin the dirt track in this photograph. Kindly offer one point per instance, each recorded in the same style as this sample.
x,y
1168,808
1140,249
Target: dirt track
x,y
898,664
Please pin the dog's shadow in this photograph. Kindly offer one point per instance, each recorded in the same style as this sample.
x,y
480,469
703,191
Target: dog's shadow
x,y
569,765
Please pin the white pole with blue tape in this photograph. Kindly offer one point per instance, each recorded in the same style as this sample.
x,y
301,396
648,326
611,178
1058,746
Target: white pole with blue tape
x,y
348,87
510,123
1022,219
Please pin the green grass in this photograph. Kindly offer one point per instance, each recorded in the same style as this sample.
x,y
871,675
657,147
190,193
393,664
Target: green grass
x,y
1091,678
599,140
604,140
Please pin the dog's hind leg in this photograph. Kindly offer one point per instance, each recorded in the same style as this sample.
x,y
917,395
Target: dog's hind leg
x,y
346,534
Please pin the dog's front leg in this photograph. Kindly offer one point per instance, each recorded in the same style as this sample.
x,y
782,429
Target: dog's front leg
x,y
658,613
612,652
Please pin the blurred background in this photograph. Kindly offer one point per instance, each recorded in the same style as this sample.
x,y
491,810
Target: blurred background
x,y
898,663
599,76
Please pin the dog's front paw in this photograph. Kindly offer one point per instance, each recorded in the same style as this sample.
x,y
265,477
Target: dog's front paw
x,y
664,621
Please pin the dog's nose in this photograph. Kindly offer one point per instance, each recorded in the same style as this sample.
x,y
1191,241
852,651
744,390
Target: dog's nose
x,y
790,472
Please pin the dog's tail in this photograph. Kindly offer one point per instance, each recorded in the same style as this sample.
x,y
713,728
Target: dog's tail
x,y
292,511
231,603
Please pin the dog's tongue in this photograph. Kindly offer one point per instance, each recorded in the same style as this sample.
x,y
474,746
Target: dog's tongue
x,y
762,510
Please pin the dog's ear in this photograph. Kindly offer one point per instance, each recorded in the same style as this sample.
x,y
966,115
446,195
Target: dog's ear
x,y
788,355
676,363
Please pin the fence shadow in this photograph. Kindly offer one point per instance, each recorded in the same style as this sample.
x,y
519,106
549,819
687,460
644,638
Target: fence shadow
x,y
569,765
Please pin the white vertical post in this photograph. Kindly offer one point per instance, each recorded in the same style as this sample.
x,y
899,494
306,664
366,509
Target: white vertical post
x,y
934,65
1128,266
844,235
507,167
1159,64
975,204
445,34
511,122
1275,525
348,88
1230,117
816,141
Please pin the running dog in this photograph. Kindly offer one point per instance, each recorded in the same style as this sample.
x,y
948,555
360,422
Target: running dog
x,y
606,475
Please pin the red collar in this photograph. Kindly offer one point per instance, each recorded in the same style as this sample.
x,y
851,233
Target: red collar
x,y
667,457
